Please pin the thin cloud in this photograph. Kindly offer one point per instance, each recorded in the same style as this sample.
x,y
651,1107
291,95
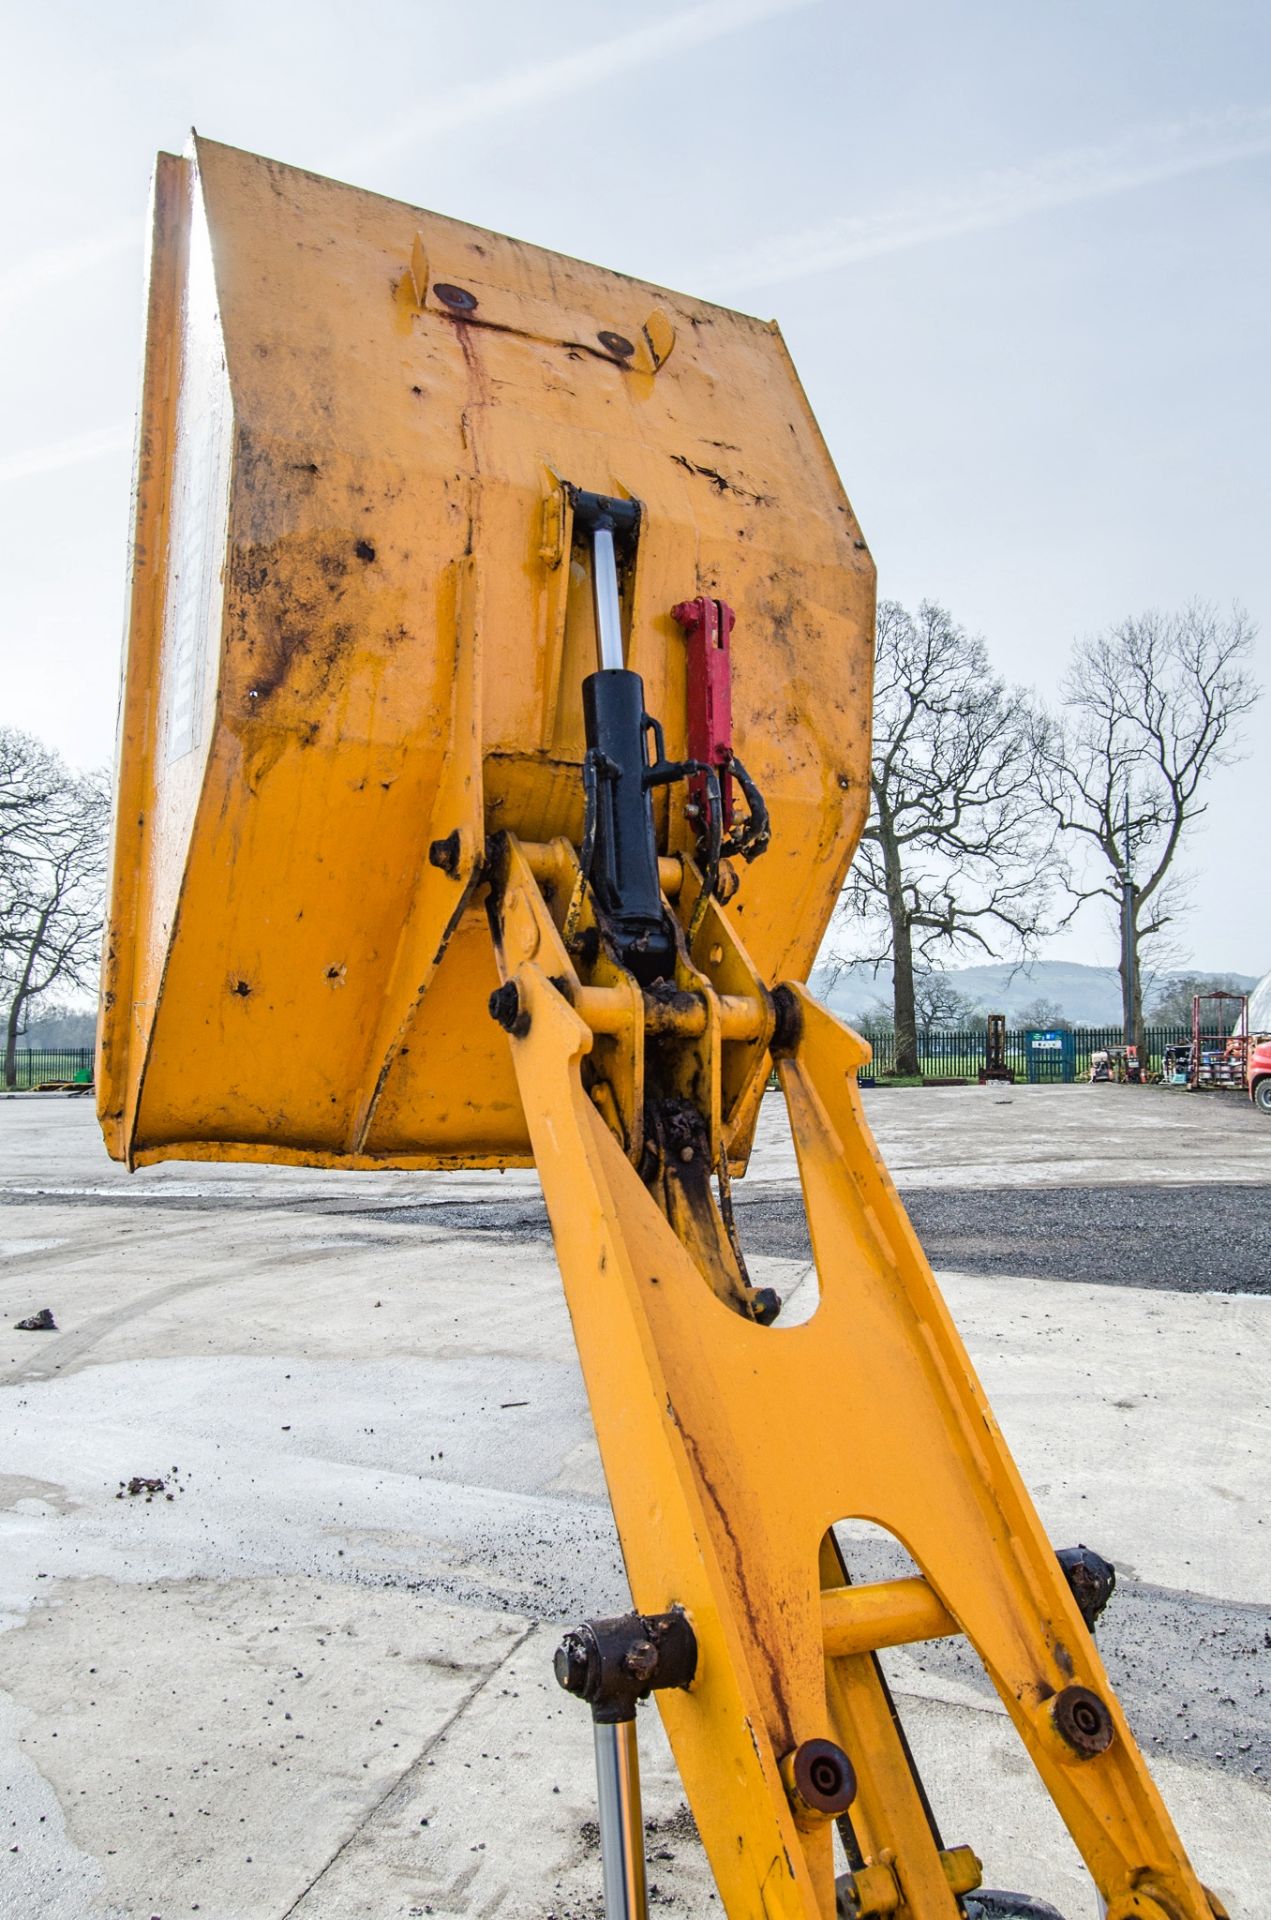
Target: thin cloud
x,y
1146,156
460,107
51,265
570,73
64,453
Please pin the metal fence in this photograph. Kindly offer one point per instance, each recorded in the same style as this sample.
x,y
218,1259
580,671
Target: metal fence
x,y
34,1065
951,1055
959,1055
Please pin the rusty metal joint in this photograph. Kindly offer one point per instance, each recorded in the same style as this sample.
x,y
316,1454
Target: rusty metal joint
x,y
507,1012
1092,1579
1082,1722
788,1030
820,1782
613,1663
445,854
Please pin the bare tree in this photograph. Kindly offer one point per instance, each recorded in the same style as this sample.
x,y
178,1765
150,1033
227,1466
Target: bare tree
x,y
1149,708
53,826
875,1020
939,1007
1172,1006
31,777
1042,1015
957,850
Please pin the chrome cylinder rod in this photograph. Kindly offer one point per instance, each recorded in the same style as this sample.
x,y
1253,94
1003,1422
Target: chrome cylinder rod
x,y
604,583
621,1820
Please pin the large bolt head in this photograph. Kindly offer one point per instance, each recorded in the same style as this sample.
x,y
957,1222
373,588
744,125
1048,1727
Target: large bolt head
x,y
641,1661
819,1779
1082,1721
505,1008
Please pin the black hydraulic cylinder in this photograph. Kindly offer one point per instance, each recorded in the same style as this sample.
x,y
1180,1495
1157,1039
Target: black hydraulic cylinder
x,y
624,858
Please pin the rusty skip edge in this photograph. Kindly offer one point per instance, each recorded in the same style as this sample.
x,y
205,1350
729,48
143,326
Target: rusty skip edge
x,y
121,1045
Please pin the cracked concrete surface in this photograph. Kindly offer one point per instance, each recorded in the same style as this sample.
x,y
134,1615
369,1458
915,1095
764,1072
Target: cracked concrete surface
x,y
318,1680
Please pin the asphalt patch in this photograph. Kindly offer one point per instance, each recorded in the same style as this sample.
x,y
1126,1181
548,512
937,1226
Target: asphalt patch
x,y
1214,1238
1193,1239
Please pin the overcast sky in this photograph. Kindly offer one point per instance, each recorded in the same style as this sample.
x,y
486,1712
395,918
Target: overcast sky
x,y
1019,252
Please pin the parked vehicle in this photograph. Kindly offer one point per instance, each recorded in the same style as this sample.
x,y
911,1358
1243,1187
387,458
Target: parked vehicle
x,y
1260,1076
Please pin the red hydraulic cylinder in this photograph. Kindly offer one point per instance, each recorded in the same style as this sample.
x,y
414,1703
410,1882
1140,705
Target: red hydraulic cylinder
x,y
708,626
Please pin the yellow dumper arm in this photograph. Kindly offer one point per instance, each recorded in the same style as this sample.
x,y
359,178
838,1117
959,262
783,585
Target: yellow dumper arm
x,y
500,644
731,1448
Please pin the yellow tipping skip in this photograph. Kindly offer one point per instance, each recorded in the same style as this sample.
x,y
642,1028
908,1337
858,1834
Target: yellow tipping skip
x,y
359,626
380,456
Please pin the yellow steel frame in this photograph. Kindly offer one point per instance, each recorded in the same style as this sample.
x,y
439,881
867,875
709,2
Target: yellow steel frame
x,y
731,1449
351,716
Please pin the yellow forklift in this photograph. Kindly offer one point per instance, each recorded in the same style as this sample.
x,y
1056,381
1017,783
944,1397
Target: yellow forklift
x,y
495,739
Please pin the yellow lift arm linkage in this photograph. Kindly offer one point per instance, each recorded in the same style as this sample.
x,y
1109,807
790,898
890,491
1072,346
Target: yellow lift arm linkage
x,y
428,525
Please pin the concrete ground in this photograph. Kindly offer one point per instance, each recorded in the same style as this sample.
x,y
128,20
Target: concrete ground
x,y
311,1675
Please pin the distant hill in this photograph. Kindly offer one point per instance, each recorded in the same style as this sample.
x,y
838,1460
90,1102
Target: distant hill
x,y
1088,996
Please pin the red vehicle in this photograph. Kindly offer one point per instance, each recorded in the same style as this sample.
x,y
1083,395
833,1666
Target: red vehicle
x,y
1260,1076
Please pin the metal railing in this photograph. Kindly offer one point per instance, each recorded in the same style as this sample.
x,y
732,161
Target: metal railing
x,y
958,1054
32,1066
943,1054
